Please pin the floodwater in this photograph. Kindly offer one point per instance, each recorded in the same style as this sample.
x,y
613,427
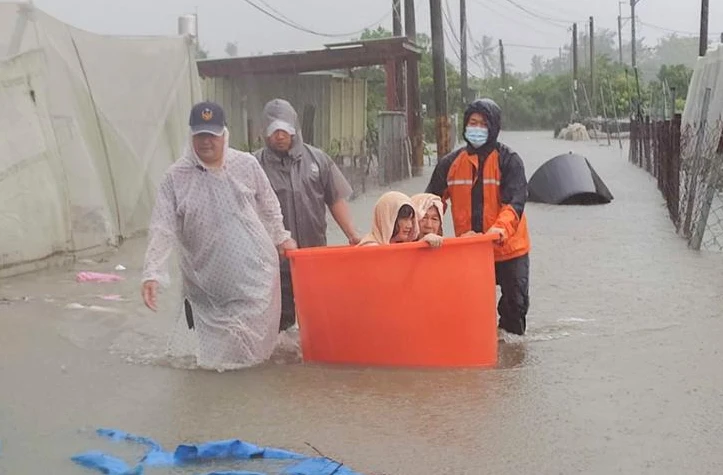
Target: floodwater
x,y
619,372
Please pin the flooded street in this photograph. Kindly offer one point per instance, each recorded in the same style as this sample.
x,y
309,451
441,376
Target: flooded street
x,y
618,372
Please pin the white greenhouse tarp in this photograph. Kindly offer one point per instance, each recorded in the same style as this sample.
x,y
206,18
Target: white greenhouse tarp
x,y
88,124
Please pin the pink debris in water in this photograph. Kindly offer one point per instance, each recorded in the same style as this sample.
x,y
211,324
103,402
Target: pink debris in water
x,y
113,298
97,277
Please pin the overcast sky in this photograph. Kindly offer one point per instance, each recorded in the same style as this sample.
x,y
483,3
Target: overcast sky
x,y
542,29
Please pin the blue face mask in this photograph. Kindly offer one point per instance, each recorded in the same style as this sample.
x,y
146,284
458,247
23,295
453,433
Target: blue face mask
x,y
477,136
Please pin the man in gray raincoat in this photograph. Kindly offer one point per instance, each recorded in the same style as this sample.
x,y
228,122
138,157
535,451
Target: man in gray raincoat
x,y
306,181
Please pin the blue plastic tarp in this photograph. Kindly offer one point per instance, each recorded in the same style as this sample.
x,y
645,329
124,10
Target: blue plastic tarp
x,y
186,454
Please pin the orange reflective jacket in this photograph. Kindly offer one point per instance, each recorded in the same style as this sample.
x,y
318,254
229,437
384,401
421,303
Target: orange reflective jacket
x,y
480,201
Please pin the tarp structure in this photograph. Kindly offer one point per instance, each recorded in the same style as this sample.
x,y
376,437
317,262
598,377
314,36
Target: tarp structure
x,y
706,75
89,124
701,164
567,179
280,461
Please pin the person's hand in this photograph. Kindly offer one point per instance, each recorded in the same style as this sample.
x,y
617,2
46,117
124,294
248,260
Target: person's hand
x,y
288,245
354,239
433,240
469,234
500,234
149,292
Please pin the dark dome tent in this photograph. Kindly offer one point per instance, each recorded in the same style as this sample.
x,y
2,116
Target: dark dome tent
x,y
568,179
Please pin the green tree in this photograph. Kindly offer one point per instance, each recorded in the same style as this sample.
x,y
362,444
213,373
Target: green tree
x,y
201,53
545,99
231,49
376,85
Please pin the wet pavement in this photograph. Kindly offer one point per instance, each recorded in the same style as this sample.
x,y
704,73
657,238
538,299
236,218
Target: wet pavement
x,y
618,373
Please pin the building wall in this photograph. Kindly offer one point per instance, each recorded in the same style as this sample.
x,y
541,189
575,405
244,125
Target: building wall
x,y
338,105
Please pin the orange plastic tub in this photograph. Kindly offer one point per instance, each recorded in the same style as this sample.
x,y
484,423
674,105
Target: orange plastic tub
x,y
398,305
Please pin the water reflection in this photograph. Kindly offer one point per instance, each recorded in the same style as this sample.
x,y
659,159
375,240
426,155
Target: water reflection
x,y
511,355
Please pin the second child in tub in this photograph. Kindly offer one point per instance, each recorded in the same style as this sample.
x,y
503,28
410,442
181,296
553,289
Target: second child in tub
x,y
396,220
430,210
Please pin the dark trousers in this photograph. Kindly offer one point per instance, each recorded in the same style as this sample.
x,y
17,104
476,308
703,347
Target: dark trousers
x,y
288,309
513,277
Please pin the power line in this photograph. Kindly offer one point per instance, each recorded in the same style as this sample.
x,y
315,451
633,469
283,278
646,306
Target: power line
x,y
517,18
281,19
446,12
457,42
556,10
280,14
507,45
539,16
670,30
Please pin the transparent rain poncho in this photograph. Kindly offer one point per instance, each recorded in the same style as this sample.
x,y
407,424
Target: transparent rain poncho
x,y
225,225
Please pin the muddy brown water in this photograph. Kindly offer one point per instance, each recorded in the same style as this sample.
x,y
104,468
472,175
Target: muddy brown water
x,y
619,372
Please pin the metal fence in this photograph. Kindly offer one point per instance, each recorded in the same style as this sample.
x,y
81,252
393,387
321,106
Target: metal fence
x,y
655,147
688,163
358,168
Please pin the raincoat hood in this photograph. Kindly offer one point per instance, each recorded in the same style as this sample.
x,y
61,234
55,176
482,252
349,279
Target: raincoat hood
x,y
279,109
492,112
423,201
385,216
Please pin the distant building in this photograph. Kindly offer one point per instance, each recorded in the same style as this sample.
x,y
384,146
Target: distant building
x,y
331,106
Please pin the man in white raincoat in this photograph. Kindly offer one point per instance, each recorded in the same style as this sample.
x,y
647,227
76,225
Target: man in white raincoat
x,y
216,205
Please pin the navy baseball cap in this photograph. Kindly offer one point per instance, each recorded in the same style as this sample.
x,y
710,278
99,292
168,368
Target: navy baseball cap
x,y
207,118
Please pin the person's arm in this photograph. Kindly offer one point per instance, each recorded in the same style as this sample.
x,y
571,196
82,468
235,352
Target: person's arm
x,y
438,182
162,235
341,212
337,192
513,190
267,204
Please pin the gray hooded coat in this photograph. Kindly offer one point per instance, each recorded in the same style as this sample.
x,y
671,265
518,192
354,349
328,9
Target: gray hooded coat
x,y
306,180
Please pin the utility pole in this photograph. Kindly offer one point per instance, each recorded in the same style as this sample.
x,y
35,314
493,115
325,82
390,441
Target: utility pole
x,y
463,52
633,39
397,18
440,78
574,56
620,38
414,101
703,28
574,72
503,76
195,22
398,65
592,66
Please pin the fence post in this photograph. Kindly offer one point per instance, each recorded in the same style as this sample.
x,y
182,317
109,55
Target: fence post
x,y
692,175
647,144
632,152
393,150
674,173
659,152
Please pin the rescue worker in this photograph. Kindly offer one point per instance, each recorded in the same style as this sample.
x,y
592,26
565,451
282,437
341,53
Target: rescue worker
x,y
306,181
216,207
486,185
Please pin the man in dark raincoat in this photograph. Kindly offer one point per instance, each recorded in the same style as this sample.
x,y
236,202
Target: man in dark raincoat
x,y
306,181
486,185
